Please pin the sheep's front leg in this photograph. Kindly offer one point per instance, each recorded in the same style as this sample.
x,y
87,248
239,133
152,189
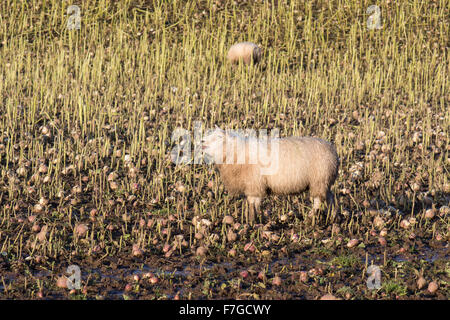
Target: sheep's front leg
x,y
254,204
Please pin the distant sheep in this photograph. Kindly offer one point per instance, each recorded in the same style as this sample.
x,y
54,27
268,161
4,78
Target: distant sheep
x,y
246,51
301,163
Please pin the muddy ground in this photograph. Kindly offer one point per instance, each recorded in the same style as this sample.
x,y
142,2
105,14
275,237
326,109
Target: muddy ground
x,y
293,269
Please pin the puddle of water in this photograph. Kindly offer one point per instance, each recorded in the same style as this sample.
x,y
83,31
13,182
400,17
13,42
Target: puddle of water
x,y
429,255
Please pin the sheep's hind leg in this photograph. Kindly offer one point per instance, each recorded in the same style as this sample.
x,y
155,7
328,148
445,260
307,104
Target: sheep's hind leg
x,y
322,202
330,199
317,203
318,194
254,204
332,206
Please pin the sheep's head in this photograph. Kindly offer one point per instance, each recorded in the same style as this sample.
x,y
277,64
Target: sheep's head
x,y
213,144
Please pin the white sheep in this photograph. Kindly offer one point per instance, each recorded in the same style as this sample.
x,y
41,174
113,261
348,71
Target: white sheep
x,y
246,51
284,166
